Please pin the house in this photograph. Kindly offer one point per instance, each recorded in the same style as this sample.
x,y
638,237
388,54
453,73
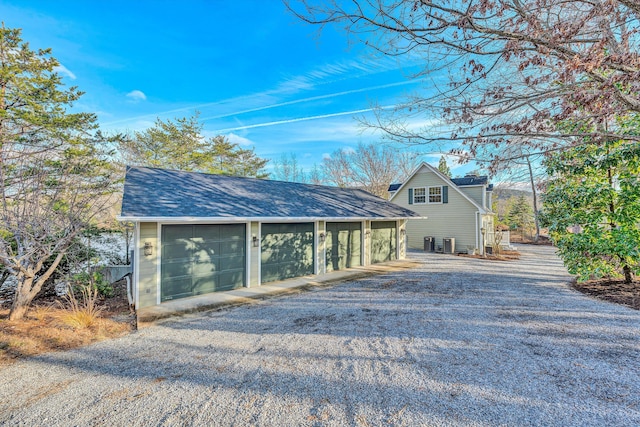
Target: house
x,y
459,210
198,233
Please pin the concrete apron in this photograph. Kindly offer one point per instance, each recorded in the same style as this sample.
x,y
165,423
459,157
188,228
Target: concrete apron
x,y
217,300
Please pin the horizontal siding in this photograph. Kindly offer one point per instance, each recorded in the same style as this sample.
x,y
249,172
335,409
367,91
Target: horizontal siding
x,y
254,256
148,265
475,193
455,219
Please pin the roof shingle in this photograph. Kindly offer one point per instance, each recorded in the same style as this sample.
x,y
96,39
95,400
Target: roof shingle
x,y
160,193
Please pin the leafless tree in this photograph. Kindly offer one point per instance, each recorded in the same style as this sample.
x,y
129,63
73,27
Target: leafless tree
x,y
370,167
517,70
288,169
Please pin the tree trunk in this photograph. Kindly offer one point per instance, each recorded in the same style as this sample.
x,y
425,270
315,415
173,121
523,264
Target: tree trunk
x,y
22,299
535,200
28,287
628,276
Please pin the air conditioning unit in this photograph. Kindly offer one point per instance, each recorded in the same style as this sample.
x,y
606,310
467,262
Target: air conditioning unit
x,y
449,244
429,244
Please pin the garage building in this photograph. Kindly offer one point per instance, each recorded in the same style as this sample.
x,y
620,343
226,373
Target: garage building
x,y
199,233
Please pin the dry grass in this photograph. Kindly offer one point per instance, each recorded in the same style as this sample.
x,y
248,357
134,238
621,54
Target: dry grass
x,y
55,324
83,311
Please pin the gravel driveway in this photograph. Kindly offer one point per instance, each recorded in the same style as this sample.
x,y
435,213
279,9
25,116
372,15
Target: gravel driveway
x,y
457,341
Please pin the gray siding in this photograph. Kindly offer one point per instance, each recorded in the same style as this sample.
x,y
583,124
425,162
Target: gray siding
x,y
148,265
254,256
476,193
456,219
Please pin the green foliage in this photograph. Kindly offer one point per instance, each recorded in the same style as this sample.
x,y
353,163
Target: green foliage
x,y
179,144
443,167
592,209
520,214
55,176
94,280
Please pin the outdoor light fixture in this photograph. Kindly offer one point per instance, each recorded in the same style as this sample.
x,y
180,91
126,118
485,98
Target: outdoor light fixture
x,y
403,232
148,248
322,236
255,241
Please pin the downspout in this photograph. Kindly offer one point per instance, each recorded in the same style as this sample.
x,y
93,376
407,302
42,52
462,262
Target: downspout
x,y
136,264
477,231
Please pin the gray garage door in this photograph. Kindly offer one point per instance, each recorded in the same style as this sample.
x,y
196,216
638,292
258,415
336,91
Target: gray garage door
x,y
287,251
198,259
343,243
383,241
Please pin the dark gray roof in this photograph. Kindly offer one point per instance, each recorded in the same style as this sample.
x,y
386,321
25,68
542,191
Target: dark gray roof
x,y
160,193
470,180
394,187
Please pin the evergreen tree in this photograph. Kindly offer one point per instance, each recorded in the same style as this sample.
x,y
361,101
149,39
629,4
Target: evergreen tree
x,y
520,214
592,209
443,167
179,144
54,173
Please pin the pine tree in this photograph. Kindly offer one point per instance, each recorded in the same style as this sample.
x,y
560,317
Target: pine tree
x,y
443,167
54,173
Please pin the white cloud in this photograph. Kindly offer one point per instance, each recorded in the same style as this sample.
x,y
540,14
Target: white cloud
x,y
137,96
61,69
240,140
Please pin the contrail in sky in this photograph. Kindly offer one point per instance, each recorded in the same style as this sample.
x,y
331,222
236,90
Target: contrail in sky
x,y
266,107
300,119
309,99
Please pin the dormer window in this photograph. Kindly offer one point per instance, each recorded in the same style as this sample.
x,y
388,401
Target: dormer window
x,y
435,194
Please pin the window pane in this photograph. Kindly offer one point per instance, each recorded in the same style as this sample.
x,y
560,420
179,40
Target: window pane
x,y
419,195
435,194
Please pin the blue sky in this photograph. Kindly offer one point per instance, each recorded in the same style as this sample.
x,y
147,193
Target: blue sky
x,y
253,71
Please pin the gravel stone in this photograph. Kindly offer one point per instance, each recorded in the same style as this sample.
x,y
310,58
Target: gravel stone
x,y
455,342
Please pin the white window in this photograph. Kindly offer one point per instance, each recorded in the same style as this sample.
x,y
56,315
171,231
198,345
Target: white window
x,y
419,195
435,194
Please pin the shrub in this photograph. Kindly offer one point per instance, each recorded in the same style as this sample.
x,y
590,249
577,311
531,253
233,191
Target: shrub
x,y
82,303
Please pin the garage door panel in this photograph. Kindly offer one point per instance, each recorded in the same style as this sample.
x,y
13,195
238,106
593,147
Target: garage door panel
x,y
231,263
177,233
231,280
178,287
204,284
178,268
286,251
270,273
234,247
343,244
207,232
201,268
193,262
176,251
383,241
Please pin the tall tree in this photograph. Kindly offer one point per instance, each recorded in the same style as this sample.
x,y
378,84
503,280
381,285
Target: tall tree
x,y
288,169
444,167
228,158
179,144
369,167
520,214
54,175
592,209
516,68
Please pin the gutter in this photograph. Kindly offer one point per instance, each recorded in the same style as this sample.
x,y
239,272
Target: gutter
x,y
226,220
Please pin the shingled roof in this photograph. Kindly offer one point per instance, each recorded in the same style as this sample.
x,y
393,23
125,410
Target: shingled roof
x,y
460,182
156,194
470,180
